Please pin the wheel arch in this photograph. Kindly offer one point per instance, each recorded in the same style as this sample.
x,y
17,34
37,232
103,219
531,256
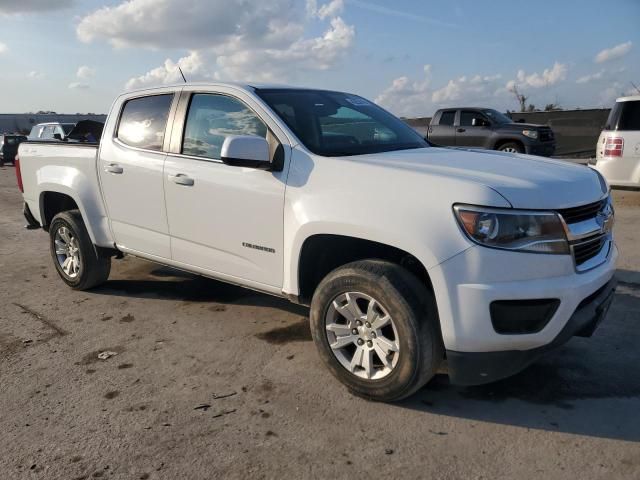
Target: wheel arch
x,y
321,253
504,140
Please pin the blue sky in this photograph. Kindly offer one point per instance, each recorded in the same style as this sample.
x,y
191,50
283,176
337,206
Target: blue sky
x,y
410,56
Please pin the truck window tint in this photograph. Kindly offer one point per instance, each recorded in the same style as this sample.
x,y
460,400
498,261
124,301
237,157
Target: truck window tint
x,y
211,119
446,118
144,120
466,118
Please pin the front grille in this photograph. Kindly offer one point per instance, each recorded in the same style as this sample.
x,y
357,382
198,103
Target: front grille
x,y
546,135
584,212
588,249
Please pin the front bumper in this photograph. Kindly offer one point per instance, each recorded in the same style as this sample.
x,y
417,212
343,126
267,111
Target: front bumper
x,y
472,368
467,284
541,149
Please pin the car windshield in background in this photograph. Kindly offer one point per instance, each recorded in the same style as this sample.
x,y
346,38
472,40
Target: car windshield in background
x,y
336,124
497,117
67,127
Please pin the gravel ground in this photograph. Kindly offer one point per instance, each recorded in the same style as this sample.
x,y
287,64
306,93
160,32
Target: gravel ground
x,y
212,381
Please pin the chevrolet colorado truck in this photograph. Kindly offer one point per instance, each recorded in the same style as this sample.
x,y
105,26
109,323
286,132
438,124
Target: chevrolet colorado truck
x,y
413,259
489,129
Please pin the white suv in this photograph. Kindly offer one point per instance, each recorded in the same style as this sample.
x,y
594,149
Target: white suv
x,y
618,149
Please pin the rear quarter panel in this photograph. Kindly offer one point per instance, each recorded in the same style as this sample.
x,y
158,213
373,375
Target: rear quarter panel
x,y
69,170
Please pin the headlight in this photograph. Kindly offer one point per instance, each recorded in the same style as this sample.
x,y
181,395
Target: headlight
x,y
522,230
530,133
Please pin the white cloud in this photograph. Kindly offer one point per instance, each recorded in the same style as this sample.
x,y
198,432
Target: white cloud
x,y
550,76
27,6
408,97
35,74
328,10
613,52
3,48
78,86
418,98
85,72
224,40
591,77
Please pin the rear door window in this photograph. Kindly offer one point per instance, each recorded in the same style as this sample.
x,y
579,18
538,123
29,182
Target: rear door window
x,y
447,117
144,120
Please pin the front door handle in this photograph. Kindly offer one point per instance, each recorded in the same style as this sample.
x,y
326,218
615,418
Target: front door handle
x,y
182,179
114,168
460,130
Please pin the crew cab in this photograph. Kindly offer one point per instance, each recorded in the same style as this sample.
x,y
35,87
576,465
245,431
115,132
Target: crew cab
x,y
489,129
412,258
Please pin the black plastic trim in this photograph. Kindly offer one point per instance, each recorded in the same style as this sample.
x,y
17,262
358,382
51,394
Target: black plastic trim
x,y
32,223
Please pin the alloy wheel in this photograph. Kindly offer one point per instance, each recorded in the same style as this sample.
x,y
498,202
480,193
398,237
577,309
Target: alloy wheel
x,y
362,335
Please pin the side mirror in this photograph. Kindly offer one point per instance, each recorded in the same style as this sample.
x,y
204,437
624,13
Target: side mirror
x,y
246,151
479,122
57,136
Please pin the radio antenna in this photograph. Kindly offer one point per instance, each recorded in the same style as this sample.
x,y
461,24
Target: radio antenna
x,y
180,70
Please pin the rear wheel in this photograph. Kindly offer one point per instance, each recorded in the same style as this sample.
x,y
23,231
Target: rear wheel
x,y
73,253
376,328
511,147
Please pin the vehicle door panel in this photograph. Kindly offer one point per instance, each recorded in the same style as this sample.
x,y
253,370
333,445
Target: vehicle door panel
x,y
131,166
443,131
230,219
468,135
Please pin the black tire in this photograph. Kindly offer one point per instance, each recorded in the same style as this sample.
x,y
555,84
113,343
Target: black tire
x,y
413,309
94,269
511,147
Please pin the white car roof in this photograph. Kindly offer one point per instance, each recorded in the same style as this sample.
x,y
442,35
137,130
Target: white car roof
x,y
631,98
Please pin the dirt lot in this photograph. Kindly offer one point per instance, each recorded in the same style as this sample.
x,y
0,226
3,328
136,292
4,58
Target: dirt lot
x,y
214,381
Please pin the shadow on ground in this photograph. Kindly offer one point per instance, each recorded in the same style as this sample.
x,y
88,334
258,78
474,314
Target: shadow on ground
x,y
152,281
587,387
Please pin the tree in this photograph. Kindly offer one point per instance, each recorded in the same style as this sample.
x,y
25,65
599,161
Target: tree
x,y
521,97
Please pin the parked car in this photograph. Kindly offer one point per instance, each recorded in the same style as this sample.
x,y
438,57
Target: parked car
x,y
9,147
618,149
51,131
406,253
489,129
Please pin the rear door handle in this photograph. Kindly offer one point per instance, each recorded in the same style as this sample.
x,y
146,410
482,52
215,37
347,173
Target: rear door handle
x,y
182,179
114,168
460,130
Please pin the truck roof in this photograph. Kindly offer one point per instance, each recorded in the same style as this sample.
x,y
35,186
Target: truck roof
x,y
244,86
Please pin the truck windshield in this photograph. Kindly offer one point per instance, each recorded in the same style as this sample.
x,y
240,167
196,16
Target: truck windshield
x,y
339,124
496,116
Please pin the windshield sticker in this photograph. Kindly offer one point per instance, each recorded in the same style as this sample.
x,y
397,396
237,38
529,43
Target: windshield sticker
x,y
358,102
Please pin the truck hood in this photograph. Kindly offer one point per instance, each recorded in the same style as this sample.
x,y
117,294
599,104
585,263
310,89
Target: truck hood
x,y
525,181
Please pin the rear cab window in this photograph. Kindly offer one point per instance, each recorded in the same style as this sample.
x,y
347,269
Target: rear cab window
x,y
624,116
143,121
447,118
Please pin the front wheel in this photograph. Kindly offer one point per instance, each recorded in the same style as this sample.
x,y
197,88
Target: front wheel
x,y
376,328
73,253
511,147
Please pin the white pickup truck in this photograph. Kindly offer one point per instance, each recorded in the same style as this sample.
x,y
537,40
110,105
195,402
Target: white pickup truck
x,y
412,258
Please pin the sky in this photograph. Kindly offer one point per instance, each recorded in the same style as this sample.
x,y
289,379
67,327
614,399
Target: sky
x,y
411,57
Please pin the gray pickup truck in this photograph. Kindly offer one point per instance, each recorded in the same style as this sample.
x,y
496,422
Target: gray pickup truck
x,y
489,129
